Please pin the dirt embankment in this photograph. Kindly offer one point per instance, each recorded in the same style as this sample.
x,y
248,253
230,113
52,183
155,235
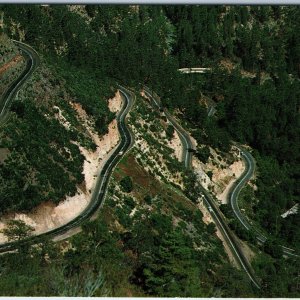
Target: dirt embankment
x,y
12,63
208,219
176,145
10,70
228,177
149,155
48,215
222,174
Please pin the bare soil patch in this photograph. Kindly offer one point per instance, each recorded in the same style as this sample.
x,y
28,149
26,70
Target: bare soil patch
x,y
227,177
176,145
10,64
47,215
208,219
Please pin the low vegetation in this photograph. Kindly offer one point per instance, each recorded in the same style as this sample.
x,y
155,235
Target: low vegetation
x,y
85,51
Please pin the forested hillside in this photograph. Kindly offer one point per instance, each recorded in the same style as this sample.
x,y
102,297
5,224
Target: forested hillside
x,y
255,82
254,54
11,62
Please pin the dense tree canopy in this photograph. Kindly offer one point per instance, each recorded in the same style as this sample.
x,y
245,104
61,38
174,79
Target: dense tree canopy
x,y
254,53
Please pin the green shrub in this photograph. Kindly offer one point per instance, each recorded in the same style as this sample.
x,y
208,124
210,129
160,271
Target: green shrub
x,y
126,184
148,199
203,154
170,132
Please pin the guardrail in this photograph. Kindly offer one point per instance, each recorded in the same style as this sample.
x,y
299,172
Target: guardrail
x,y
194,70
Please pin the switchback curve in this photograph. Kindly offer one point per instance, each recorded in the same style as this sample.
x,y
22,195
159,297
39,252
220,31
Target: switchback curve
x,y
98,196
207,198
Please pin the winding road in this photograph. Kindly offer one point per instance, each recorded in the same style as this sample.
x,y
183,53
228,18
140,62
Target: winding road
x,y
234,194
216,214
98,196
125,143
185,139
33,61
245,177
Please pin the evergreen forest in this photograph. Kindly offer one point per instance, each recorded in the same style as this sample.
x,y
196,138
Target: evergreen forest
x,y
253,53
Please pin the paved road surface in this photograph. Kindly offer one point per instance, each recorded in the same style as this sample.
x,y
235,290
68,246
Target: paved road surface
x,y
229,238
98,196
233,200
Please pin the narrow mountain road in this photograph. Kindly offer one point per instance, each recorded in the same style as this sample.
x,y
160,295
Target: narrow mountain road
x,y
234,194
240,183
188,145
231,241
9,95
98,196
126,141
